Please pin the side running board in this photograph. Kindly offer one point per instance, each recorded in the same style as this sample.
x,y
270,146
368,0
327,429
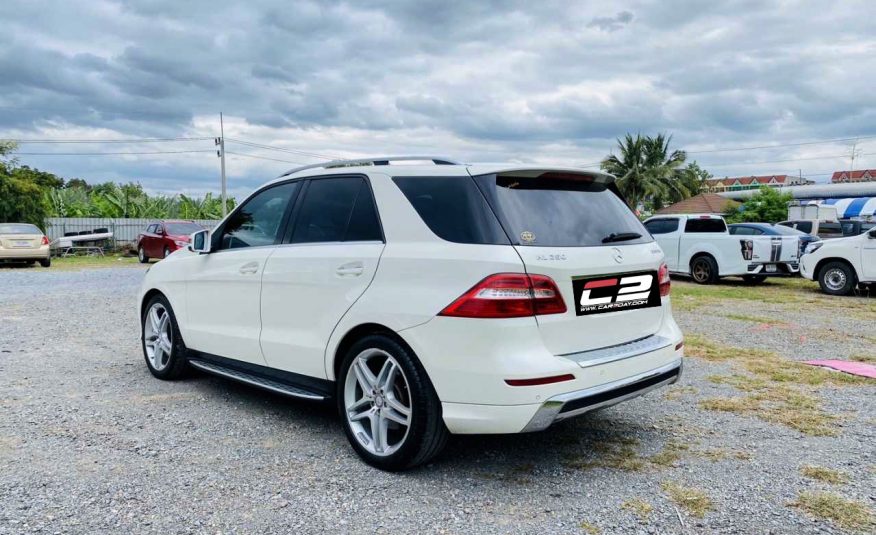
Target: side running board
x,y
255,380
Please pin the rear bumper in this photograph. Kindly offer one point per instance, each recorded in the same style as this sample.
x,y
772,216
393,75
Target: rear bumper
x,y
782,268
10,253
579,402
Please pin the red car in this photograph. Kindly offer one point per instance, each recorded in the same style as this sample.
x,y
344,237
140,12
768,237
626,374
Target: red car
x,y
161,239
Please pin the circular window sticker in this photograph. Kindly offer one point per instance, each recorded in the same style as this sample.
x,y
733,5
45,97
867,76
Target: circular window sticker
x,y
527,237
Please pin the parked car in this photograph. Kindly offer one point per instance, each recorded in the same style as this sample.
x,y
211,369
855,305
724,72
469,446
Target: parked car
x,y
814,227
160,239
23,242
424,300
840,265
700,246
766,229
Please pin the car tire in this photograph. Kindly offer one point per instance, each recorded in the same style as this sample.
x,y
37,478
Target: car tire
x,y
141,255
754,279
397,381
704,270
163,346
837,278
46,262
166,252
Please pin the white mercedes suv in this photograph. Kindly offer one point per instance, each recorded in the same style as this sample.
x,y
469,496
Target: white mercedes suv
x,y
424,298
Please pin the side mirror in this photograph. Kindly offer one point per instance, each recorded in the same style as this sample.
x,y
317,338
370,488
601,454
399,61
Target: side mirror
x,y
199,242
872,234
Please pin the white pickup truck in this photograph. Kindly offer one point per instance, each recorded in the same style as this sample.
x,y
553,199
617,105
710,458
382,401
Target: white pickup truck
x,y
701,246
840,264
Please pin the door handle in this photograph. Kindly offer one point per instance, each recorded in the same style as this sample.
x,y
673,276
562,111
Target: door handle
x,y
352,269
249,268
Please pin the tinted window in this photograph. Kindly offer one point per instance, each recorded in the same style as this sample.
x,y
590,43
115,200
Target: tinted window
x,y
705,225
662,226
326,210
364,223
745,231
804,226
178,229
829,229
780,229
453,208
257,221
151,229
560,210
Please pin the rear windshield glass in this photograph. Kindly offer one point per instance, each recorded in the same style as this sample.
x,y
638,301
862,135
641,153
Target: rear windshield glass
x,y
705,225
18,228
561,211
182,228
453,208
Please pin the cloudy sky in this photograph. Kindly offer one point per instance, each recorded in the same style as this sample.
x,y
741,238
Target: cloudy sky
x,y
547,81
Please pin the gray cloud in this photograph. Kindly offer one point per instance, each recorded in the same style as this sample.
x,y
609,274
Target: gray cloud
x,y
611,24
480,80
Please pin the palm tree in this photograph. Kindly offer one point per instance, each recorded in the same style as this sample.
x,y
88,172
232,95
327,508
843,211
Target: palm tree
x,y
648,170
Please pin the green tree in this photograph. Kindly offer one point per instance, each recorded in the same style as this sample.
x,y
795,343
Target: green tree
x,y
648,170
765,206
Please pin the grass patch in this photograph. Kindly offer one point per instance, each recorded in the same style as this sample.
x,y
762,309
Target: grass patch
x,y
827,475
669,455
638,507
676,392
693,500
73,263
589,528
848,514
754,319
623,456
720,454
777,390
869,359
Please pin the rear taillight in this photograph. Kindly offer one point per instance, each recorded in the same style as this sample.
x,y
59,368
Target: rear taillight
x,y
45,240
508,295
665,282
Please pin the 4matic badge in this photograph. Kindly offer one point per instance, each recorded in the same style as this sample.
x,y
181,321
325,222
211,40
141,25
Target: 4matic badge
x,y
616,292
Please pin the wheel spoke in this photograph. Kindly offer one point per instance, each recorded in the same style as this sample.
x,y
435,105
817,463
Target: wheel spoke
x,y
366,379
365,401
375,432
396,416
155,320
398,406
386,376
158,354
380,439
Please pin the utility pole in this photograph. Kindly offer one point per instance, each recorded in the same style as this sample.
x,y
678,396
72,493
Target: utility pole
x,y
854,155
221,143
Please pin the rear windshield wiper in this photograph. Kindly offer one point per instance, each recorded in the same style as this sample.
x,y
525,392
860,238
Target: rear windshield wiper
x,y
621,236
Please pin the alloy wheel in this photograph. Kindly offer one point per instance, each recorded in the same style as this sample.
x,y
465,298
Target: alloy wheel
x,y
377,402
158,336
701,271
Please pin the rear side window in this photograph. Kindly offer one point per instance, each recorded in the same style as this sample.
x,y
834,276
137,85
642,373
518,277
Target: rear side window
x,y
336,210
561,210
804,226
745,231
829,229
151,229
661,226
705,225
453,208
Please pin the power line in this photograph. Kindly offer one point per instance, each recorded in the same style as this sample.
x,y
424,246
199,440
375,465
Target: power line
x,y
282,149
106,153
263,157
132,140
782,161
839,140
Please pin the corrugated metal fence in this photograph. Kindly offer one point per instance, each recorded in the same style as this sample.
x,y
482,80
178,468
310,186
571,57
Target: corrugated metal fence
x,y
124,230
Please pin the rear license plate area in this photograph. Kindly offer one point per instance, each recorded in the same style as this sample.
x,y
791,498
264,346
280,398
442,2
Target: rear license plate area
x,y
611,293
771,268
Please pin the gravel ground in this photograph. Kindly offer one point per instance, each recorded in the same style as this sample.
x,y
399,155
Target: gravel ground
x,y
91,443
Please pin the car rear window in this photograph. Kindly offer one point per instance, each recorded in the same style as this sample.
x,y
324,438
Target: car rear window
x,y
178,229
561,210
453,208
829,229
704,224
662,226
19,228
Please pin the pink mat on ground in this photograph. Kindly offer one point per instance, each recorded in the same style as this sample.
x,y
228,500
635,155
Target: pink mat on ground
x,y
854,368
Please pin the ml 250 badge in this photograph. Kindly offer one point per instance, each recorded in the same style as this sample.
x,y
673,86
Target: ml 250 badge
x,y
627,291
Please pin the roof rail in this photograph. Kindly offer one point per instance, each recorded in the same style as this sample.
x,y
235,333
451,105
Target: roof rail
x,y
381,160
